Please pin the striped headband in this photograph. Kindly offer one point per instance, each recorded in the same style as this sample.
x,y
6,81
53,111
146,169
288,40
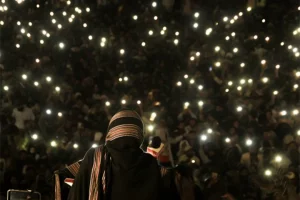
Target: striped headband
x,y
126,123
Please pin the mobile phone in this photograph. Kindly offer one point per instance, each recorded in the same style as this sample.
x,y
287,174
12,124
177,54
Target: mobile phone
x,y
23,195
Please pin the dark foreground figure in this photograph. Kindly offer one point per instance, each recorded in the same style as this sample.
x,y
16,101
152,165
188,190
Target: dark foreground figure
x,y
121,170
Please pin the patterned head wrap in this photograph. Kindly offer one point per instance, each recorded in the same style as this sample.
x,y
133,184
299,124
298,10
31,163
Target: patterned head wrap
x,y
126,123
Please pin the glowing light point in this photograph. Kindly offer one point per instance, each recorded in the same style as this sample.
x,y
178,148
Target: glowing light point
x,y
48,112
249,142
268,172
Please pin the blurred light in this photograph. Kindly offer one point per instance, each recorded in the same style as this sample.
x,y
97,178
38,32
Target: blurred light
x,y
217,48
200,103
267,39
218,64
178,83
64,13
68,2
51,13
263,62
61,45
107,103
230,83
150,32
192,58
6,88
198,54
48,79
48,112
120,79
233,34
165,28
125,78
282,43
296,112
143,44
59,114
154,4
227,38
239,108
75,146
278,159
176,41
196,15
90,37
19,23
1,23
239,88
24,76
249,142
162,32
227,140
295,86
192,81
235,17
265,80
242,65
29,23
122,51
123,101
186,76
290,47
53,21
87,9
102,44
150,128
155,17
277,66
268,172
209,130
263,20
138,102
70,19
23,30
195,25
17,46
37,60
249,9
295,49
153,116
28,35
35,83
57,89
84,25
298,74
193,161
35,136
200,87
275,92
283,113
135,17
242,81
255,37
240,14
203,137
59,26
208,31
298,132
226,90
231,21
94,146
235,50
225,19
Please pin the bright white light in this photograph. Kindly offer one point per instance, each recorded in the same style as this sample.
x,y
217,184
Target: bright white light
x,y
53,21
275,92
283,113
150,32
176,41
265,79
57,89
267,39
233,34
249,9
227,38
64,13
239,88
87,9
239,108
231,21
107,103
28,35
68,2
192,58
249,142
242,81
53,144
35,136
217,48
154,4
138,102
90,37
193,161
230,83
24,76
122,51
51,13
203,137
143,44
120,79
6,88
277,66
150,128
125,78
290,47
35,83
225,19
29,23
19,23
48,79
200,87
59,114
178,83
278,159
196,15
240,14
295,49
48,112
186,76
61,45
198,54
200,103
75,146
70,19
268,172
23,30
298,74
195,25
235,17
84,25
263,62
295,86
94,146
227,140
186,105
176,33
226,90
263,20
102,44
162,32
235,50
242,65
208,31
1,23
135,17
282,43
192,81
17,46
255,37
298,132
218,64
209,130
59,26
123,101
155,17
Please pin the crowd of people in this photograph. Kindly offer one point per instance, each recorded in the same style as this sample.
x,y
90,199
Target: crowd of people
x,y
218,84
